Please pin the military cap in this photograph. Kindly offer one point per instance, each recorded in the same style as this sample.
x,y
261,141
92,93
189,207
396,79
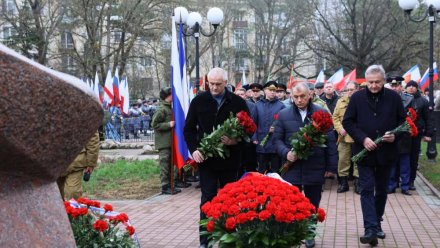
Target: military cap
x,y
412,83
164,93
256,87
319,85
271,85
246,87
281,87
395,79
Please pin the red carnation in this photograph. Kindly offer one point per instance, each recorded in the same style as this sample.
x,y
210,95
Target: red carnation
x,y
264,215
413,128
122,217
100,225
108,207
210,226
321,215
412,114
130,230
230,224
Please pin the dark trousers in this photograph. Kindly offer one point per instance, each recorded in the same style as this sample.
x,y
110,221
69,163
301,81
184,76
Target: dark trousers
x,y
268,162
414,157
210,181
313,192
373,181
401,169
249,159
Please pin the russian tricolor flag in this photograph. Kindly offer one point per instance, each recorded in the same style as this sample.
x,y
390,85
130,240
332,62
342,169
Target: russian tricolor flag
x,y
180,94
424,82
412,74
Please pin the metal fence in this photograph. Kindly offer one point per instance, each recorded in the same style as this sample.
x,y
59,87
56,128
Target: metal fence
x,y
129,130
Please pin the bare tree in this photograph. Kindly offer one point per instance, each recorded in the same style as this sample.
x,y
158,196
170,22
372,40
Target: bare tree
x,y
358,33
34,23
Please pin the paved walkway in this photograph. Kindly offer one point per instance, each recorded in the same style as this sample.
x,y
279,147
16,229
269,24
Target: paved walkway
x,y
165,221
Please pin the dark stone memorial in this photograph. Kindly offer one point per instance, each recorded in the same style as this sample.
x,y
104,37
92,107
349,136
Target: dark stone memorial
x,y
46,117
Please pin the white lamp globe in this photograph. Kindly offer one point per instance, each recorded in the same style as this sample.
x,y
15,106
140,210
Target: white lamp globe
x,y
180,14
215,16
193,18
408,4
435,3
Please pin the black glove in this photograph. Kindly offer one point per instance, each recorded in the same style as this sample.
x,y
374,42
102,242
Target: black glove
x,y
86,176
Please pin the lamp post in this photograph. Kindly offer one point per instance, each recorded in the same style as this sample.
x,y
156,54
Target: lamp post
x,y
192,22
431,11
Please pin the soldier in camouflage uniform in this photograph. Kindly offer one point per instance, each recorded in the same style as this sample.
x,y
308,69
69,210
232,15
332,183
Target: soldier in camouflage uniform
x,y
70,183
162,124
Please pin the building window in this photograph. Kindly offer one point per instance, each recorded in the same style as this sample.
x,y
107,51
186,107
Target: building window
x,y
9,7
146,61
8,32
261,40
68,62
148,82
66,40
240,64
240,39
117,36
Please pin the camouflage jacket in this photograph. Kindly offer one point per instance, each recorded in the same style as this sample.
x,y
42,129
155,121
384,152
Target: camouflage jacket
x,y
161,125
338,115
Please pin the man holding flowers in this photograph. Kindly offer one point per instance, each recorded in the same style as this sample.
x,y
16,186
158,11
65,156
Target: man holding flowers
x,y
370,114
306,173
207,111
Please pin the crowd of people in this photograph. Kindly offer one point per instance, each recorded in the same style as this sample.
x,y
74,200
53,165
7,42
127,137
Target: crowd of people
x,y
360,112
136,121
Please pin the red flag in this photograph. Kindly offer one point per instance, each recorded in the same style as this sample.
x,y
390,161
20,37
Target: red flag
x,y
291,79
238,86
349,77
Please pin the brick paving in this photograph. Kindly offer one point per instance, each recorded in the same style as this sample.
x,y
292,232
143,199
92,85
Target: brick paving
x,y
165,221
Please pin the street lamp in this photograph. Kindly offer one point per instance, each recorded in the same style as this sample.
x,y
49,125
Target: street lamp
x,y
433,8
193,23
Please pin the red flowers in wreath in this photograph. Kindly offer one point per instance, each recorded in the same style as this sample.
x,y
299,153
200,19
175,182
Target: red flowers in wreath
x,y
272,210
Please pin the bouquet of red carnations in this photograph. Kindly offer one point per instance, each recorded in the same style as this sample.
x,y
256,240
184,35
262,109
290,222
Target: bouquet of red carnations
x,y
311,135
408,126
239,128
260,211
266,138
94,226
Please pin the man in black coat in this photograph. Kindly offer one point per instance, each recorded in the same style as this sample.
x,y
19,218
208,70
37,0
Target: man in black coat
x,y
206,111
308,174
425,126
370,114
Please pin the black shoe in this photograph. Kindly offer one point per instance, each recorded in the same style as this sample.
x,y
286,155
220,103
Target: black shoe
x,y
192,179
182,185
343,187
411,186
406,192
391,191
370,237
167,191
380,233
310,243
357,189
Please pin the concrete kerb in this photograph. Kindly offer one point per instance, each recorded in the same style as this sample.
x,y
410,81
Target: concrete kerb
x,y
430,186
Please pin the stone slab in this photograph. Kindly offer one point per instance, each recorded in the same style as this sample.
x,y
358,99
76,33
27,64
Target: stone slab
x,y
46,117
32,214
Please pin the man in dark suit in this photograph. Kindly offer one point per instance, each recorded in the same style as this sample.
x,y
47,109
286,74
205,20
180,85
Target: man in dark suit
x,y
306,174
206,111
370,114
